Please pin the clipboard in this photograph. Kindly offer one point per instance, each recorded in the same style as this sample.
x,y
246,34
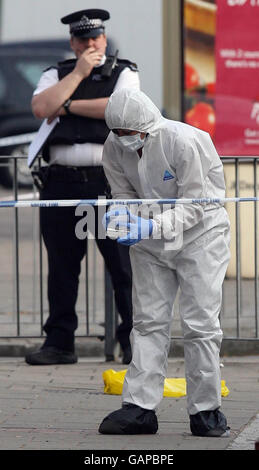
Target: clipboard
x,y
39,140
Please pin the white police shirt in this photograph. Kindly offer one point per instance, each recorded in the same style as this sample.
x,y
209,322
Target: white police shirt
x,y
88,154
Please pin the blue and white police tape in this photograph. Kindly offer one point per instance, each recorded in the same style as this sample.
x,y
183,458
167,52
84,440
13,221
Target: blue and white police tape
x,y
108,202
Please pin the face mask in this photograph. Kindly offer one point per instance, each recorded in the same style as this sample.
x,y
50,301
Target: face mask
x,y
130,142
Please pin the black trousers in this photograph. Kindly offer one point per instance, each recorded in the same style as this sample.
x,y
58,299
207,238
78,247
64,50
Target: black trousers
x,y
66,251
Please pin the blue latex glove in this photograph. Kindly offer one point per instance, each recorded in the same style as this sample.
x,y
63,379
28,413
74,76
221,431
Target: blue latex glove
x,y
138,228
113,213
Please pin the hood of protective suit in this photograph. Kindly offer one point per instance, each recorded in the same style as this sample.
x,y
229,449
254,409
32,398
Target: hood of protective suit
x,y
131,109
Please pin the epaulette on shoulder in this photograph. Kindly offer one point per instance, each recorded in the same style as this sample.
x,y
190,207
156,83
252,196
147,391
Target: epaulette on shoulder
x,y
63,63
49,68
132,65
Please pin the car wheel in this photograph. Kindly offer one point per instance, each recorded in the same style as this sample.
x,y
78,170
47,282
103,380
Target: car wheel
x,y
24,178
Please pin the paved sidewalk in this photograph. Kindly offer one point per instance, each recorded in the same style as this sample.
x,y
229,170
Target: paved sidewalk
x,y
60,407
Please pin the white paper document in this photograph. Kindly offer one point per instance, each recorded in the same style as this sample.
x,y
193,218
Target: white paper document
x,y
40,138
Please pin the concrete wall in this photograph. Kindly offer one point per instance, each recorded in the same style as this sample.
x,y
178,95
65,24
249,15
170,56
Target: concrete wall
x,y
135,25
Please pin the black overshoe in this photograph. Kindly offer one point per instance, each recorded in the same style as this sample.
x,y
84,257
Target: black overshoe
x,y
130,419
50,355
210,423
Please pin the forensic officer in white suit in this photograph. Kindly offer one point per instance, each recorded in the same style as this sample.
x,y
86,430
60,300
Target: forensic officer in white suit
x,y
149,157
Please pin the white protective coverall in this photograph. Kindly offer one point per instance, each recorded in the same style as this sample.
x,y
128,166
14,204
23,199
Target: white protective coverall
x,y
178,161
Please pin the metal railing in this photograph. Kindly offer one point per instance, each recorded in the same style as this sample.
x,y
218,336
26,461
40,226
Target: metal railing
x,y
244,182
102,326
239,315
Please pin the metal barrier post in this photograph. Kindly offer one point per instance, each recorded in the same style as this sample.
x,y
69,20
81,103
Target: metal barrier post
x,y
16,230
34,279
41,272
86,288
94,286
41,280
109,318
238,270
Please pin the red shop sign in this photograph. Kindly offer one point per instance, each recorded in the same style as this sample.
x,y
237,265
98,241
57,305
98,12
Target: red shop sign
x,y
237,77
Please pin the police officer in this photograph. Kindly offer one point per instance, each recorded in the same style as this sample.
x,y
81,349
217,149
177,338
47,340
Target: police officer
x,y
77,91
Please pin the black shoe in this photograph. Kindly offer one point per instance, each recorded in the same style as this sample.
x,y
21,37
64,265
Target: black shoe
x,y
130,419
127,356
211,423
50,355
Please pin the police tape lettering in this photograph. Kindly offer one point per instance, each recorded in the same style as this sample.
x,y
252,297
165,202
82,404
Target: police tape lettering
x,y
108,202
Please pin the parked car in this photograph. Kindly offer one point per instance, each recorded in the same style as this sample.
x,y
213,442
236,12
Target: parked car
x,y
21,65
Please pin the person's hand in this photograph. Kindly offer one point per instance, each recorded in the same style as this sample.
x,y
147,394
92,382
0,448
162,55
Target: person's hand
x,y
114,215
89,59
133,229
138,229
112,221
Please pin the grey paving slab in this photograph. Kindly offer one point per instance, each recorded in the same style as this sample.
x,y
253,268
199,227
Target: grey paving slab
x,y
60,408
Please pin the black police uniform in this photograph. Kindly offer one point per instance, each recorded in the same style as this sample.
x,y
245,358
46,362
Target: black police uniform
x,y
65,250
